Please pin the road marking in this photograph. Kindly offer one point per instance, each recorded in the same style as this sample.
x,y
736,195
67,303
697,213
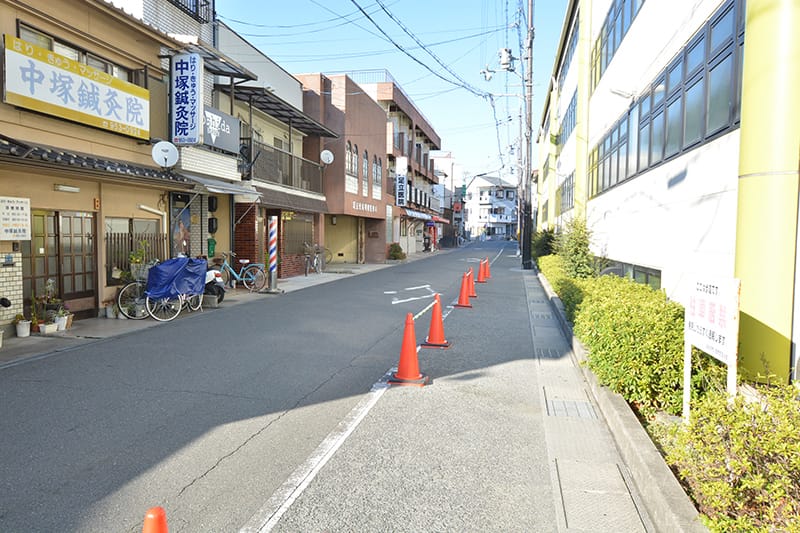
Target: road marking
x,y
413,298
268,516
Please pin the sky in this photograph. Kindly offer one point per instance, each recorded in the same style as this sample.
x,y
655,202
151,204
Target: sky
x,y
435,50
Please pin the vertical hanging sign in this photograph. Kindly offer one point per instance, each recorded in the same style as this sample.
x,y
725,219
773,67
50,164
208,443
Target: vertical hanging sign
x,y
401,183
187,98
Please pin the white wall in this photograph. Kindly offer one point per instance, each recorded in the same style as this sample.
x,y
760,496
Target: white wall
x,y
679,218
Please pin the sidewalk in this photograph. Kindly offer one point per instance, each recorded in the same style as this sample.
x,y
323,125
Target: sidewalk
x,y
15,349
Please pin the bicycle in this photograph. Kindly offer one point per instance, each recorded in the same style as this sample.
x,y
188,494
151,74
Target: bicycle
x,y
131,297
251,275
312,258
164,299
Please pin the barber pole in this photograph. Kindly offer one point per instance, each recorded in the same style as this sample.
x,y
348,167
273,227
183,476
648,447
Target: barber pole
x,y
273,254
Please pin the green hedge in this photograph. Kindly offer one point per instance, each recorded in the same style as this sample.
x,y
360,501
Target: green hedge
x,y
569,290
635,341
741,460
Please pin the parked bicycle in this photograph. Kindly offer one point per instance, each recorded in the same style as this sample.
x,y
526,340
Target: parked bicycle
x,y
131,296
313,259
173,285
251,275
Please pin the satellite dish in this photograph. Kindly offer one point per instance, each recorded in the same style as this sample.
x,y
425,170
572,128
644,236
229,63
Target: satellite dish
x,y
326,156
165,154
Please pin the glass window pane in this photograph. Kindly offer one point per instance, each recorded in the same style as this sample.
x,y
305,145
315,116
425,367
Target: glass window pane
x,y
657,145
720,93
34,37
613,178
66,266
644,107
693,113
696,56
66,283
66,225
66,245
66,51
623,161
674,130
659,91
633,141
644,147
674,77
722,30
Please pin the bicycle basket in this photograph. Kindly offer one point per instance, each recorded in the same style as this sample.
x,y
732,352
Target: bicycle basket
x,y
139,271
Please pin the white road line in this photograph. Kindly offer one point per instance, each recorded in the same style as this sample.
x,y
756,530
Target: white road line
x,y
395,301
268,516
417,288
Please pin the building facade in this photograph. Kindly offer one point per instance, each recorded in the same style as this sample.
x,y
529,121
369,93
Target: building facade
x,y
85,90
490,209
671,131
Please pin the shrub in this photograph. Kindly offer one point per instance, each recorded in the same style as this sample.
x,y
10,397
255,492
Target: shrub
x,y
542,243
741,460
573,246
396,251
635,341
569,290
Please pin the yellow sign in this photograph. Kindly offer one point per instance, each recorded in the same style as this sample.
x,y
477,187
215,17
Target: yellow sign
x,y
41,80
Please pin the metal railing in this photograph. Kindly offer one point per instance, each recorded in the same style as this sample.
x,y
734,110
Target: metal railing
x,y
275,165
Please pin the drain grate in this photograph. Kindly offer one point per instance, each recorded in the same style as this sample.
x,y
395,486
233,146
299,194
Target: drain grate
x,y
569,408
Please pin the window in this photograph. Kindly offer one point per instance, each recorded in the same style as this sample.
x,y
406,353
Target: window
x,y
365,175
674,130
348,161
720,95
694,99
616,25
693,113
47,42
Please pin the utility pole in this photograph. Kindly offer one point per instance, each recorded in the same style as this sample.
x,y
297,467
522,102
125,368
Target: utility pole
x,y
527,221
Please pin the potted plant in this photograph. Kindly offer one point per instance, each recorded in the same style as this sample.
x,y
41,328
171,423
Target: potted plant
x,y
48,328
61,318
23,325
109,307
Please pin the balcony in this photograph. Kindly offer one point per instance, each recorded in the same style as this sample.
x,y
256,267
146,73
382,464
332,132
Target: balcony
x,y
274,165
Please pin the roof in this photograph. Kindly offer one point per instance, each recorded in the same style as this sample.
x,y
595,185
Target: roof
x,y
33,153
216,62
278,108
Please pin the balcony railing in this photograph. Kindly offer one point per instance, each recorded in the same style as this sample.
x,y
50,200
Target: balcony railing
x,y
275,165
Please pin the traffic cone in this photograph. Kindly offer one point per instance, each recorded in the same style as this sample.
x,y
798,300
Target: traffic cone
x,y
408,368
488,270
463,296
472,293
436,333
481,273
155,521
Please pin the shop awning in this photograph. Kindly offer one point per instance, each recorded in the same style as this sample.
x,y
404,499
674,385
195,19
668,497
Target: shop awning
x,y
287,201
218,186
440,219
415,214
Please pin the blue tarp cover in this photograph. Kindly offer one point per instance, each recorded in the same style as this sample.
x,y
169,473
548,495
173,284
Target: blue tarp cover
x,y
182,275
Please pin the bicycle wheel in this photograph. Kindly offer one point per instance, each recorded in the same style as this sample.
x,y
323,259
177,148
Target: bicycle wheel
x,y
328,256
131,300
308,264
317,264
226,277
163,309
194,301
254,278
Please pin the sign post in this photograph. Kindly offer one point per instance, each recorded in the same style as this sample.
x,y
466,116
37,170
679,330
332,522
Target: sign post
x,y
272,268
711,323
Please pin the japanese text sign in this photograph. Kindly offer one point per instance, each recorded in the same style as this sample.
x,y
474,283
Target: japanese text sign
x,y
15,219
712,318
44,81
187,98
401,183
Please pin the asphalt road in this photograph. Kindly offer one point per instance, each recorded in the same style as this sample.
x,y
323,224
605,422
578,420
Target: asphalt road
x,y
207,416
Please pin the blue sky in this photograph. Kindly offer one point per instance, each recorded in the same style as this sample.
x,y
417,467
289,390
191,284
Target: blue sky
x,y
447,44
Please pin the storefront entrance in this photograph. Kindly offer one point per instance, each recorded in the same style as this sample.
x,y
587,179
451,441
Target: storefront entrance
x,y
62,248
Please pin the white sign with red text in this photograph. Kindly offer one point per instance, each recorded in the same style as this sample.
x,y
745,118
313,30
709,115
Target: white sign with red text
x,y
711,323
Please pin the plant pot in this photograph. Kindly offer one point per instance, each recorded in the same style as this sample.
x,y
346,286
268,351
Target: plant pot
x,y
121,316
23,328
61,323
69,320
48,328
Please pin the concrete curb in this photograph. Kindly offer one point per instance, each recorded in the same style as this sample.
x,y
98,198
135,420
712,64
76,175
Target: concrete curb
x,y
667,504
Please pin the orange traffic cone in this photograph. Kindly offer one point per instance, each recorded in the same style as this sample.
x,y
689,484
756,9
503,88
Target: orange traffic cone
x,y
408,369
463,296
481,273
436,333
488,270
471,275
155,521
